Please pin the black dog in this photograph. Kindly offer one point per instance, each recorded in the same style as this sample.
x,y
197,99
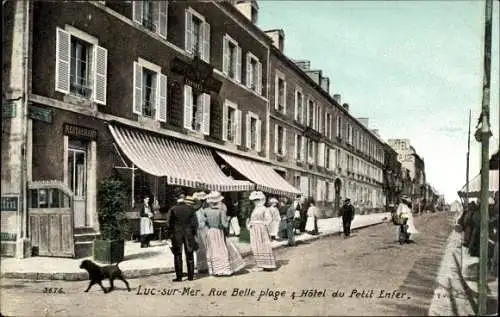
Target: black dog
x,y
98,273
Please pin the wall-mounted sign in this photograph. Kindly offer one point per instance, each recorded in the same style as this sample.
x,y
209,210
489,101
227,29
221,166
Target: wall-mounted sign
x,y
41,114
197,74
10,203
79,131
9,110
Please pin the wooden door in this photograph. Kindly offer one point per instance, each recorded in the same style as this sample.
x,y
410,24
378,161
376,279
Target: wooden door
x,y
52,231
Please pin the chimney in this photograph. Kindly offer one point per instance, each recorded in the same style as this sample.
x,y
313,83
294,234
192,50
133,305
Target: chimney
x,y
278,37
303,64
325,84
346,106
364,121
336,97
249,8
315,75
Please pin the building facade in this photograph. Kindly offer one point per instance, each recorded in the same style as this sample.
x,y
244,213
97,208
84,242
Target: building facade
x,y
393,177
328,153
415,165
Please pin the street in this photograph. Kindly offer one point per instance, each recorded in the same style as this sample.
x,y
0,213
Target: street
x,y
366,274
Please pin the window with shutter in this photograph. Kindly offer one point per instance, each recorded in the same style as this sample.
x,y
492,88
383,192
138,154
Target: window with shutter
x,y
276,139
231,122
238,64
258,134
162,99
188,107
100,71
296,149
303,149
137,89
283,142
206,114
137,11
248,137
197,35
224,121
238,126
206,42
163,19
188,35
63,55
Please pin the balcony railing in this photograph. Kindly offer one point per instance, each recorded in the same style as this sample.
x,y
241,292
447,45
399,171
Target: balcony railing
x,y
81,90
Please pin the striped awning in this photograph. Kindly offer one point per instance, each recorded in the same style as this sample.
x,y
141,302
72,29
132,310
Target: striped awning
x,y
264,176
182,164
475,185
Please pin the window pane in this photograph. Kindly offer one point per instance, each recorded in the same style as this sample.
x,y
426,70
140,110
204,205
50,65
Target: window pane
x,y
231,124
197,112
149,93
80,68
253,133
196,35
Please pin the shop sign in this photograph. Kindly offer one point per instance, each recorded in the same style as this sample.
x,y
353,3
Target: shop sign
x,y
8,236
41,114
79,131
9,110
10,203
197,74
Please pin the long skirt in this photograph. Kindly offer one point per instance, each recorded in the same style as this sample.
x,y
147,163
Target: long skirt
x,y
217,254
236,261
310,223
146,226
274,227
261,247
201,253
234,226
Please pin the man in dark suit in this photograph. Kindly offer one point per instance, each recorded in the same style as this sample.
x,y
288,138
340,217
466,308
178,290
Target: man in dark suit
x,y
347,213
182,226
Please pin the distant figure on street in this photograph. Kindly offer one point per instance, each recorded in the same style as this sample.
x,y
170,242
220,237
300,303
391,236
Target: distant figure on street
x,y
146,230
304,206
275,214
232,212
347,213
312,218
404,207
289,215
182,226
260,219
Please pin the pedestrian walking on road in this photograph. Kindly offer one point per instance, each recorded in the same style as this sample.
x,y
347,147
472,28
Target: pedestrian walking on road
x,y
347,213
304,206
146,230
223,257
404,208
290,230
201,235
312,218
276,219
182,226
260,219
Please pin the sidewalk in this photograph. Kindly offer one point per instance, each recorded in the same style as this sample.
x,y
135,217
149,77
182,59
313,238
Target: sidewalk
x,y
154,260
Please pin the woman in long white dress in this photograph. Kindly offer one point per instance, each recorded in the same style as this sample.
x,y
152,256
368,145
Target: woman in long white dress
x,y
405,210
260,219
276,219
312,216
146,230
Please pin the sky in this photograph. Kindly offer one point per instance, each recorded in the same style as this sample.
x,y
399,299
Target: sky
x,y
414,68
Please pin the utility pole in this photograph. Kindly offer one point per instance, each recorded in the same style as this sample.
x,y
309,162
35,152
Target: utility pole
x,y
483,134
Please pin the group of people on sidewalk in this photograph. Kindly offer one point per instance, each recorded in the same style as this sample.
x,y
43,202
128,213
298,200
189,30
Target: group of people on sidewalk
x,y
199,223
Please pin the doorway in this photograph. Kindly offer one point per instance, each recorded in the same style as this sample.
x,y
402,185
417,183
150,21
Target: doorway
x,y
77,180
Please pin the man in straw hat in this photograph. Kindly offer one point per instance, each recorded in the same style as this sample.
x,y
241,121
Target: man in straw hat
x,y
182,225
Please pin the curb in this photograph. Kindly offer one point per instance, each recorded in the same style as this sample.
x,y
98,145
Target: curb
x,y
135,273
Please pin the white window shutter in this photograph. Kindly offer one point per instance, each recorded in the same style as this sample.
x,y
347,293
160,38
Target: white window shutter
x,y
276,92
296,141
137,89
258,136
259,78
303,109
225,118
162,99
284,144
163,16
188,107
303,153
63,57
137,11
332,159
296,109
321,154
225,55
237,126
156,16
308,116
100,72
284,98
238,64
206,42
206,114
188,35
248,137
276,138
249,71
325,129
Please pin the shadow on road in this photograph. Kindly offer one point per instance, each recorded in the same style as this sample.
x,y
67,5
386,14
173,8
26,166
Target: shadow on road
x,y
148,254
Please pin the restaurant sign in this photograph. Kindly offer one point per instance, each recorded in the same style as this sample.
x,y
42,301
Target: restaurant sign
x,y
79,131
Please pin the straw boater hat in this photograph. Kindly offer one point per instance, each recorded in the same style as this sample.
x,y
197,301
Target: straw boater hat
x,y
257,195
273,201
214,197
190,200
200,195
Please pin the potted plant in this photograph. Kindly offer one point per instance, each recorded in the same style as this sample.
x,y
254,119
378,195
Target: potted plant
x,y
110,246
